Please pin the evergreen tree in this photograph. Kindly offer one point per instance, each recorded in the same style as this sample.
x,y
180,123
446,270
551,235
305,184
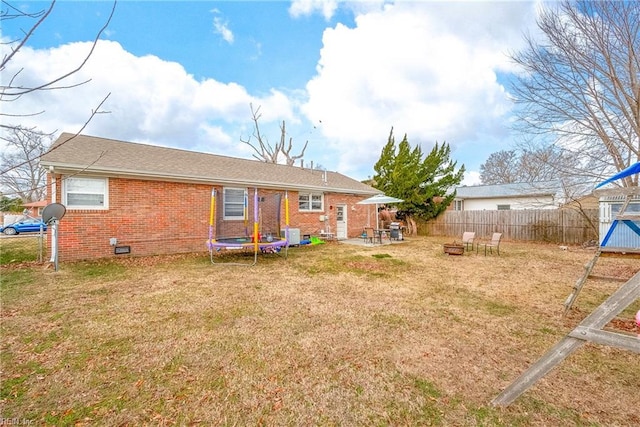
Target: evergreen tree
x,y
8,204
424,184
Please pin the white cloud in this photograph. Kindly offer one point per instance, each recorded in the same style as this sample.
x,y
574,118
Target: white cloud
x,y
307,7
426,68
471,178
429,69
222,27
149,99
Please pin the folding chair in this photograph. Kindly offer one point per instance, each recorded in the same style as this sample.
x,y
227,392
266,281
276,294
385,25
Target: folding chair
x,y
494,243
467,239
369,235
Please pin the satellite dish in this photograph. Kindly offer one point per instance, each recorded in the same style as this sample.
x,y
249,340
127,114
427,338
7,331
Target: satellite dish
x,y
53,211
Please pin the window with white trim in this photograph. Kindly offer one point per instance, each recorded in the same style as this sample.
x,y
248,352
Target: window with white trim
x,y
310,202
85,193
504,207
234,203
458,205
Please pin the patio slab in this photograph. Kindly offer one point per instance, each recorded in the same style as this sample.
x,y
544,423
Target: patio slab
x,y
361,242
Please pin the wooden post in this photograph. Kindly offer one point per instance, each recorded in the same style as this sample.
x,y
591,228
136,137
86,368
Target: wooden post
x,y
589,330
588,268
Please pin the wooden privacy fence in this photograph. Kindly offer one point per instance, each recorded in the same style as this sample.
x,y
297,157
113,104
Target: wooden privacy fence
x,y
545,225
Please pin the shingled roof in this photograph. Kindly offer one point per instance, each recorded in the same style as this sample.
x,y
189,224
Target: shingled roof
x,y
519,189
108,157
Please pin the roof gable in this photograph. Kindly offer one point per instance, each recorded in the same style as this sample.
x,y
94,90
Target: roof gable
x,y
94,155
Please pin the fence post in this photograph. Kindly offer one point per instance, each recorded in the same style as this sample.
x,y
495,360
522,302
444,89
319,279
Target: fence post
x,y
40,245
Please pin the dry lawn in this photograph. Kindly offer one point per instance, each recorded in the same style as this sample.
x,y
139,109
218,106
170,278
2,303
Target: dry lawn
x,y
333,335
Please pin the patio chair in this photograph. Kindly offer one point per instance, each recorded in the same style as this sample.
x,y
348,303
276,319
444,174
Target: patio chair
x,y
369,235
467,239
494,243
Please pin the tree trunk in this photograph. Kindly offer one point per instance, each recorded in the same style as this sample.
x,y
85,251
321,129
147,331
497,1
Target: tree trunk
x,y
412,228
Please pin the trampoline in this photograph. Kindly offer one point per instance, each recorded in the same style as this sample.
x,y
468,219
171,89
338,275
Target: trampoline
x,y
231,229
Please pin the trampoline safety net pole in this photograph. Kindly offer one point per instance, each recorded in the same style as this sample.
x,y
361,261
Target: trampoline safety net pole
x,y
286,208
286,216
256,238
212,210
245,212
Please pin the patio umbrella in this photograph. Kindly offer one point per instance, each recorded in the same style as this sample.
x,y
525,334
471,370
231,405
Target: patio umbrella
x,y
623,173
379,199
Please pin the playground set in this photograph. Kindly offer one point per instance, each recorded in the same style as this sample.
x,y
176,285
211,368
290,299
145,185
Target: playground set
x,y
622,239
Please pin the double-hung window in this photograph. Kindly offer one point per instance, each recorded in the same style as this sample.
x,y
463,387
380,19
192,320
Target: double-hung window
x,y
85,193
235,203
310,202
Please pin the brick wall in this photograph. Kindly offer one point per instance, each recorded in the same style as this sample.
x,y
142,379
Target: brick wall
x,y
309,222
156,217
151,217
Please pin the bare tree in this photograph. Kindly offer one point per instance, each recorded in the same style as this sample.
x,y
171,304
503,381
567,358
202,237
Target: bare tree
x,y
541,164
24,177
271,153
19,171
581,87
532,164
500,168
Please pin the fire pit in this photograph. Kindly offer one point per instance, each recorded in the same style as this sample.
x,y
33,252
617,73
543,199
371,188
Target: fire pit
x,y
454,248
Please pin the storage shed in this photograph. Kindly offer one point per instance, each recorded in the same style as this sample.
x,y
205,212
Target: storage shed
x,y
620,213
626,233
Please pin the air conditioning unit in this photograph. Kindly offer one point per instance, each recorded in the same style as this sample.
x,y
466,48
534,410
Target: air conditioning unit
x,y
294,235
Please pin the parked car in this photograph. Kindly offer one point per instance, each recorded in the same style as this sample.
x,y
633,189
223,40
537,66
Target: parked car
x,y
24,226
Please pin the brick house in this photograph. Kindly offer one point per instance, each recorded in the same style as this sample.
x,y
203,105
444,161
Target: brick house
x,y
157,200
35,208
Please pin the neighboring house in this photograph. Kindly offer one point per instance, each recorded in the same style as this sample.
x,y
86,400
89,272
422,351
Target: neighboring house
x,y
588,202
157,200
523,195
35,207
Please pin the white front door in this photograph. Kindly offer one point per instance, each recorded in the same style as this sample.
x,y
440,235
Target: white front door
x,y
341,221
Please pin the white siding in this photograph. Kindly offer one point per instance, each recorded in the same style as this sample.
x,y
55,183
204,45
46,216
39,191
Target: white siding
x,y
516,203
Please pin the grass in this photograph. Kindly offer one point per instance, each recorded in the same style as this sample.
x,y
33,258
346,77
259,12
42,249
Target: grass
x,y
17,250
333,335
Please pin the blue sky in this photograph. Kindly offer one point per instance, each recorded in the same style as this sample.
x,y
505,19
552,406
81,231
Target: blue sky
x,y
340,74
